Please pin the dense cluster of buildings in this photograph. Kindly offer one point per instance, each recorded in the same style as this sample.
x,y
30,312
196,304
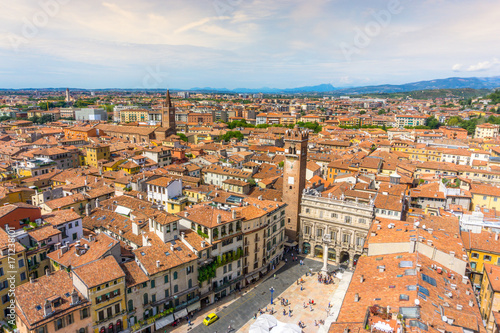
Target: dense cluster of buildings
x,y
178,216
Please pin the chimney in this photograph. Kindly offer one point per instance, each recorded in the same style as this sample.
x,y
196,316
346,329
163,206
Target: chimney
x,y
172,247
74,297
135,228
47,272
356,297
47,309
496,236
219,219
202,244
233,214
361,278
32,280
186,214
158,263
182,235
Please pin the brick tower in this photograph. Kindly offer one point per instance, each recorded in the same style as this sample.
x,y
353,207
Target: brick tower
x,y
168,116
294,178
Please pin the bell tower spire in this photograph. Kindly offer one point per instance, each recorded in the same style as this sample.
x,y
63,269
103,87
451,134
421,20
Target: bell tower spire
x,y
168,116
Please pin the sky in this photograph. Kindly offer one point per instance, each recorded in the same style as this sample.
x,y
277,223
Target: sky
x,y
182,44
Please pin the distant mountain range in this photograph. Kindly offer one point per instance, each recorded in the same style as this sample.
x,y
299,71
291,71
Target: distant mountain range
x,y
449,83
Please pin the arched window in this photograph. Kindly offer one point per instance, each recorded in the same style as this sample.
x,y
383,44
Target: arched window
x,y
130,305
175,275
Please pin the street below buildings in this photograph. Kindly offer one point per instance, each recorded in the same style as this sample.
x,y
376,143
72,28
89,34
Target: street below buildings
x,y
238,309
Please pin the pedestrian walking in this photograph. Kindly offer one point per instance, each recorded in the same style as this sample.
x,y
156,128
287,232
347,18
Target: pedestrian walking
x,y
301,287
275,276
310,307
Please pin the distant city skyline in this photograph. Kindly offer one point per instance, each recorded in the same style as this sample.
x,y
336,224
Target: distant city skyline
x,y
231,44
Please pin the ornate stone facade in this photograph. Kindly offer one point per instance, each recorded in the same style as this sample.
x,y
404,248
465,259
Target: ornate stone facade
x,y
334,226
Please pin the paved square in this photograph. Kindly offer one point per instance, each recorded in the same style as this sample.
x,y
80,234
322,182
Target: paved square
x,y
312,290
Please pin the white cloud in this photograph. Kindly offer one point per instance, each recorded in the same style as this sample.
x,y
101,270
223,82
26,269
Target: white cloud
x,y
253,43
483,65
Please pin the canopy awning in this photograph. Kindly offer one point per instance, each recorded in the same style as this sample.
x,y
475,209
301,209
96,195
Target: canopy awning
x,y
181,313
122,210
164,321
194,306
291,244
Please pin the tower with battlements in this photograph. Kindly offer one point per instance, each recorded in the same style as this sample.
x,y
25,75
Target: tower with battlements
x,y
294,178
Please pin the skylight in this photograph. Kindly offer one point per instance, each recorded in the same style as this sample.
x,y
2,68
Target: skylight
x,y
406,263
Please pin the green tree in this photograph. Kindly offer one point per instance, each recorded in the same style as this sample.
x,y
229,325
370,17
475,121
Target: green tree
x,y
183,137
432,122
232,134
381,112
362,112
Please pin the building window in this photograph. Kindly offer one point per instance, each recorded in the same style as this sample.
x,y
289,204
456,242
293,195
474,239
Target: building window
x,y
175,275
58,324
474,255
347,219
84,313
486,258
319,232
166,278
152,284
69,319
176,288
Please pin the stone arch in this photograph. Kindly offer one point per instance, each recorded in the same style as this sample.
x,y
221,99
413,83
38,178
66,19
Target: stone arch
x,y
306,248
355,259
318,251
332,254
344,258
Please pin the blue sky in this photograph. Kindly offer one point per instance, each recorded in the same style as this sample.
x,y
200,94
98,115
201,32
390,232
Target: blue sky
x,y
244,43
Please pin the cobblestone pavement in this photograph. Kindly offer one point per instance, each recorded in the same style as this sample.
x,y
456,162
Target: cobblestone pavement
x,y
299,303
238,309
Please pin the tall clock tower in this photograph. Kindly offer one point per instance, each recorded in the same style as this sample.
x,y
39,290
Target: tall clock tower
x,y
294,178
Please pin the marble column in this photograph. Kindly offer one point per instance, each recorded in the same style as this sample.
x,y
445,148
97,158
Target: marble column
x,y
325,258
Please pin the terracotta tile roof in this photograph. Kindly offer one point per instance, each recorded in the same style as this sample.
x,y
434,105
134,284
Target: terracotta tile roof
x,y
61,216
168,255
99,271
483,241
195,240
7,209
134,275
97,248
386,278
31,298
42,233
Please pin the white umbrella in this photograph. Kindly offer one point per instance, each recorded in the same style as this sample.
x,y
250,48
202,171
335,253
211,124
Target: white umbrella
x,y
257,329
268,320
286,328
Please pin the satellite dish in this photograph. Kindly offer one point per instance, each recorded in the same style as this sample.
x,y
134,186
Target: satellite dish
x,y
417,301
444,318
